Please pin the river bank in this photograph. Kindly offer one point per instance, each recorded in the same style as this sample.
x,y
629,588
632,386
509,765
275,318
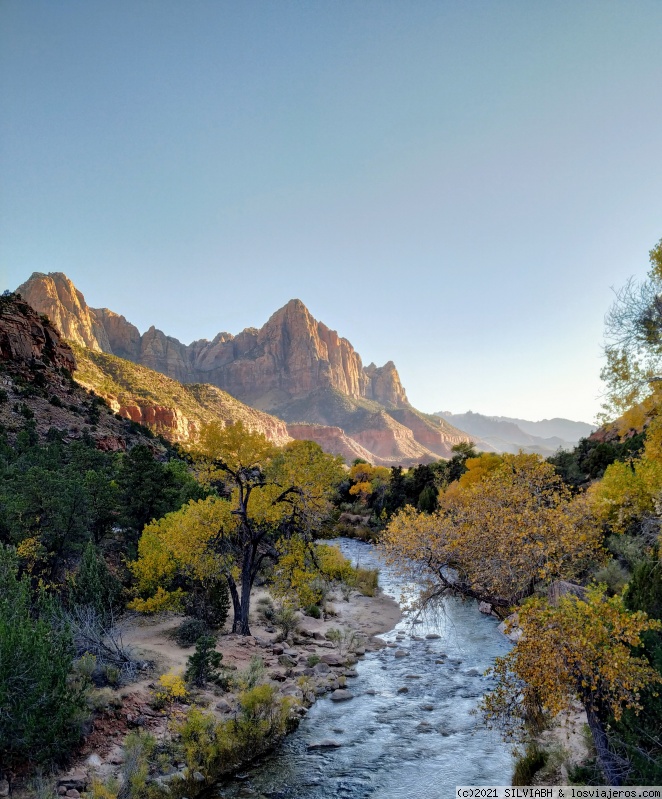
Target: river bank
x,y
302,668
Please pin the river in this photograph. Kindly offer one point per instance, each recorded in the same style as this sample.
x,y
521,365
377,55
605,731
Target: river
x,y
397,744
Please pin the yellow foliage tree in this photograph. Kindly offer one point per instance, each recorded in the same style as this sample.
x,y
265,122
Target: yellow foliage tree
x,y
366,479
626,492
580,649
496,539
270,495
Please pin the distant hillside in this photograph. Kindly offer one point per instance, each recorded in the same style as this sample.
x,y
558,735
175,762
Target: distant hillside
x,y
564,429
511,435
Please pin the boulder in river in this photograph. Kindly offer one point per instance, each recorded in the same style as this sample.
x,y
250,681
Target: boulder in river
x,y
401,653
326,743
341,695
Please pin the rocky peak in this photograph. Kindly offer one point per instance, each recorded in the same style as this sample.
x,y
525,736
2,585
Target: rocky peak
x,y
30,339
56,296
289,358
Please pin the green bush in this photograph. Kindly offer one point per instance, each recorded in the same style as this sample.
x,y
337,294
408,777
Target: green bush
x,y
529,764
202,665
41,707
189,631
313,611
95,585
286,620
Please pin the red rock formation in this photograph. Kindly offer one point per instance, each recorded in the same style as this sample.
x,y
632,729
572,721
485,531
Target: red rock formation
x,y
294,366
438,437
331,439
289,357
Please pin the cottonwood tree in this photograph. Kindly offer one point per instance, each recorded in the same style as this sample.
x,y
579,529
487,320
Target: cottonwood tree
x,y
270,496
579,649
496,539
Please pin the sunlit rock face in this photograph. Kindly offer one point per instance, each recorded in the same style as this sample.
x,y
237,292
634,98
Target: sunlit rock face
x,y
289,357
294,367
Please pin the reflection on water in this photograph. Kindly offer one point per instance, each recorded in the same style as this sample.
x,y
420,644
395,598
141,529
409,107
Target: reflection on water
x,y
397,744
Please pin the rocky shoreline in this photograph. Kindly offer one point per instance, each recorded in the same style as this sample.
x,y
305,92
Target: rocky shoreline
x,y
305,666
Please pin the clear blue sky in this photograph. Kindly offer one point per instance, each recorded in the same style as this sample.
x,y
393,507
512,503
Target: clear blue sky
x,y
451,185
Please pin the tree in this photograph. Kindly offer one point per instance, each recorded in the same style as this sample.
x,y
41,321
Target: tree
x,y
577,650
496,539
633,339
202,665
273,496
40,705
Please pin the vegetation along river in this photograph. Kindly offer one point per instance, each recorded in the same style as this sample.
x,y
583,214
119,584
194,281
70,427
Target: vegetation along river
x,y
417,744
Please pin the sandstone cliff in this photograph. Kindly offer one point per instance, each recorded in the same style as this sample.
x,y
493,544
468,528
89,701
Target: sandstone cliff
x,y
290,356
294,367
166,406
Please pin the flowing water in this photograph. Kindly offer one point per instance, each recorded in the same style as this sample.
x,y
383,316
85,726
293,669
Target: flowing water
x,y
417,744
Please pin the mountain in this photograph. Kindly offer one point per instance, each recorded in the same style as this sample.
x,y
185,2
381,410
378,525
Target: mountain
x,y
290,356
558,428
166,406
510,435
294,367
36,367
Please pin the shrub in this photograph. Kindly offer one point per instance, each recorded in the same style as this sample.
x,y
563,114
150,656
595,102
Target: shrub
x,y
252,675
202,665
366,581
314,611
41,707
527,766
56,401
266,610
171,688
312,660
189,631
4,397
344,640
210,604
286,620
95,585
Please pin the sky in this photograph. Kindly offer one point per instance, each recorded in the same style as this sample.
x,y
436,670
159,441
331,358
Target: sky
x,y
454,186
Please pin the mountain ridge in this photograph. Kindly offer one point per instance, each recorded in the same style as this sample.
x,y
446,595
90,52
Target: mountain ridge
x,y
293,367
508,434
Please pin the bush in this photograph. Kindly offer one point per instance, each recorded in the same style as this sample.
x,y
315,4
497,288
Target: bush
x,y
41,707
202,665
344,640
252,675
171,688
95,585
314,611
210,604
312,660
366,581
189,631
527,766
286,620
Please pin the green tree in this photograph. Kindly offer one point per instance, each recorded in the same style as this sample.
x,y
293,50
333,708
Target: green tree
x,y
202,665
40,707
94,584
633,334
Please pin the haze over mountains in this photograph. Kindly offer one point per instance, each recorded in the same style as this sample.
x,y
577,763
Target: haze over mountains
x,y
294,367
506,434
